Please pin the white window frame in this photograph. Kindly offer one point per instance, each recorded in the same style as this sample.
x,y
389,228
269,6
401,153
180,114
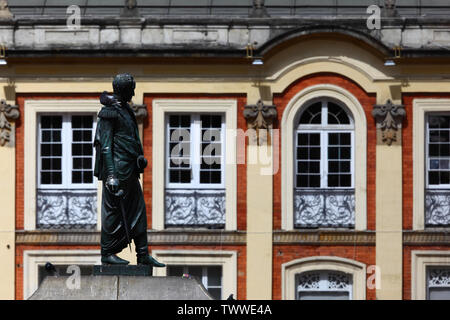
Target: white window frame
x,y
324,129
32,259
195,155
420,109
226,259
160,108
66,161
420,260
355,269
288,125
427,156
32,109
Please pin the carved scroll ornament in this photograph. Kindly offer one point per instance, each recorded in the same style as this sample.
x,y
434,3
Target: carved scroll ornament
x,y
389,118
7,112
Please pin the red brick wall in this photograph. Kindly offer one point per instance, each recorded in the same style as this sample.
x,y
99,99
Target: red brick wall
x,y
241,168
20,143
407,153
285,253
366,100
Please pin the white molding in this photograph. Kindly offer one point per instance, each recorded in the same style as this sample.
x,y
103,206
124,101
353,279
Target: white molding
x,y
287,153
420,108
32,259
420,260
356,269
160,108
31,109
226,259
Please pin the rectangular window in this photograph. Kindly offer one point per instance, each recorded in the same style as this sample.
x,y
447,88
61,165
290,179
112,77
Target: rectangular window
x,y
195,175
437,203
210,277
67,192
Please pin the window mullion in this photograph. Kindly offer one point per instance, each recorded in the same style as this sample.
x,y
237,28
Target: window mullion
x,y
195,155
324,158
66,150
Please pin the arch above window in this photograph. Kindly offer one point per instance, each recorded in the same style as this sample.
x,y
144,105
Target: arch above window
x,y
339,276
303,112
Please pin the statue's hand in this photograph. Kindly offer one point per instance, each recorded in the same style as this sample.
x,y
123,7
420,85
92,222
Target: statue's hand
x,y
112,184
142,163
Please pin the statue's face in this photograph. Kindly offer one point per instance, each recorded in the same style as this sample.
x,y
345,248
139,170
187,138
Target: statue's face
x,y
128,92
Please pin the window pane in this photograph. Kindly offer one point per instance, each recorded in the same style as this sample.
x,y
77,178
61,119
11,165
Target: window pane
x,y
337,115
312,115
214,276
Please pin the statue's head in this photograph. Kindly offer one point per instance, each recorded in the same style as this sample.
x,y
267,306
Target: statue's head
x,y
124,85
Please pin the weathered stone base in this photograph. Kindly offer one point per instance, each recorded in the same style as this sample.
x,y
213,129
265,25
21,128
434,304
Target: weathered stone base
x,y
121,287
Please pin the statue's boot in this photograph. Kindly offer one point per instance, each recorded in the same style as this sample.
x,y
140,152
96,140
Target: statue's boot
x,y
113,259
143,258
149,260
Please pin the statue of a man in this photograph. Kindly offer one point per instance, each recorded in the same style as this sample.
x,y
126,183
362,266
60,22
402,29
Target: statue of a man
x,y
119,161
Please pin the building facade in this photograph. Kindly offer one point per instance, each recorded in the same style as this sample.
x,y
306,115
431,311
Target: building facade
x,y
297,149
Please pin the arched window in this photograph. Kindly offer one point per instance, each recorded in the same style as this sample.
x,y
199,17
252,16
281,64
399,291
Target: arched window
x,y
323,285
324,191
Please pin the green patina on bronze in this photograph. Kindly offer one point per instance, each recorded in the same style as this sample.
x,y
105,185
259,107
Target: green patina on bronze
x,y
119,161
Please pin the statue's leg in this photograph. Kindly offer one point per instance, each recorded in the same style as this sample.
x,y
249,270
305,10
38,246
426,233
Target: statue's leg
x,y
142,252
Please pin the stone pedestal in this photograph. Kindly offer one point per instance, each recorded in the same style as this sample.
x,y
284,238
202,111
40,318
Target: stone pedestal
x,y
121,287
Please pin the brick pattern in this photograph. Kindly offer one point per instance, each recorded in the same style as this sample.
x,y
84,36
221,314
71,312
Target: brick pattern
x,y
285,253
366,100
148,142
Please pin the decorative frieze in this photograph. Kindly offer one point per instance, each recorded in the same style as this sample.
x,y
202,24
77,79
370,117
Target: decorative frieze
x,y
437,208
195,208
7,113
321,237
171,237
389,118
260,118
326,208
66,209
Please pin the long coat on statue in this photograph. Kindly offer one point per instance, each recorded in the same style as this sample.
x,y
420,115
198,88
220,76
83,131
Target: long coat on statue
x,y
117,147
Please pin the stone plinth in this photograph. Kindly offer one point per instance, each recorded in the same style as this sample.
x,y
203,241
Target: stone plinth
x,y
121,287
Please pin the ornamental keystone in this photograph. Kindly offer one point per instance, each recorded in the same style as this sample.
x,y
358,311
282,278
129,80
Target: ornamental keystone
x,y
140,111
7,112
260,118
389,118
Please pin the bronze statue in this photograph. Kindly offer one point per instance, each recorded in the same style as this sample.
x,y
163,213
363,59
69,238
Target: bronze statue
x,y
119,161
